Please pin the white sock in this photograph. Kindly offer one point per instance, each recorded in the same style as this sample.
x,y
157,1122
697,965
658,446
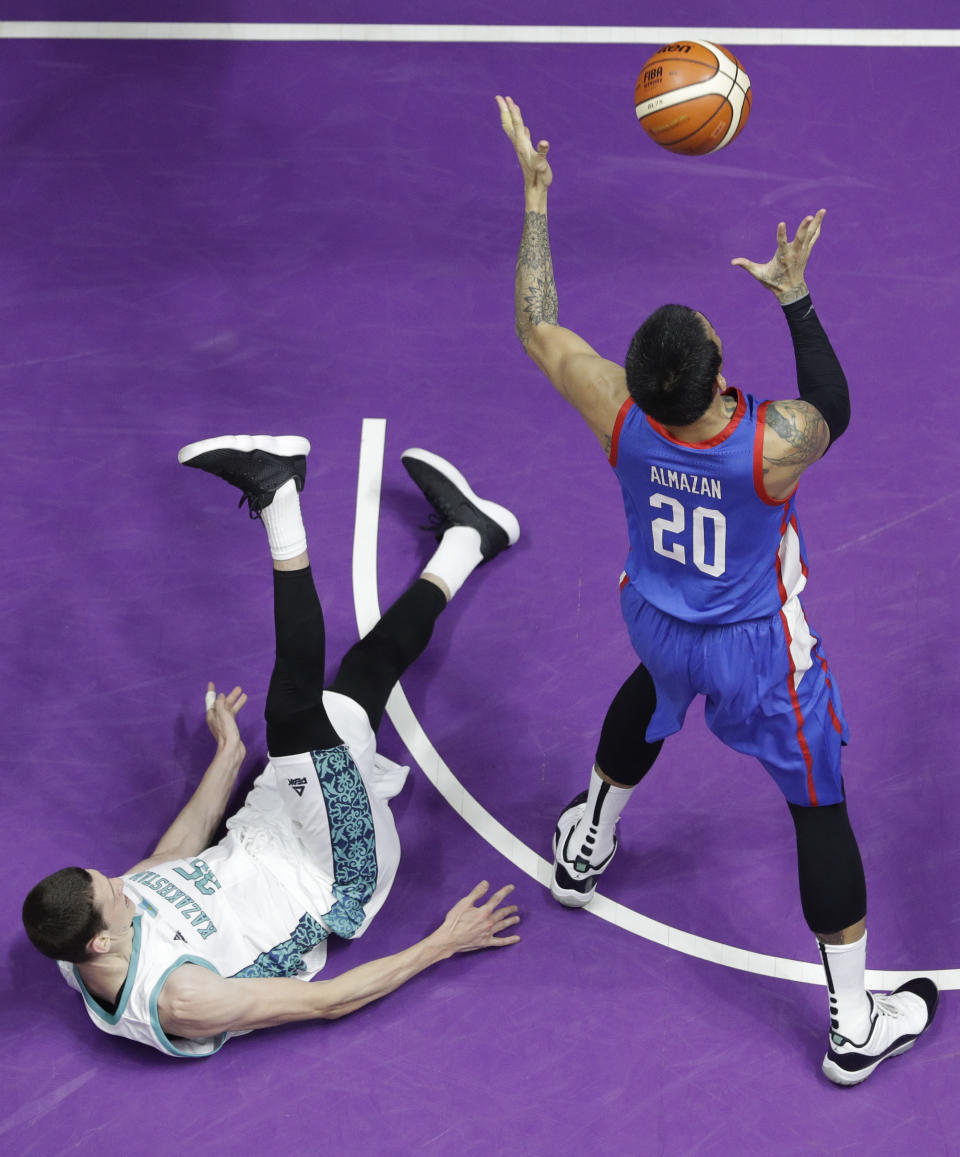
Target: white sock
x,y
456,557
596,827
850,1006
285,531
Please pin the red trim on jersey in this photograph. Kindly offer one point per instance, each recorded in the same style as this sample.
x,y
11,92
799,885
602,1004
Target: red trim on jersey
x,y
803,561
624,579
833,715
724,434
758,461
617,427
794,697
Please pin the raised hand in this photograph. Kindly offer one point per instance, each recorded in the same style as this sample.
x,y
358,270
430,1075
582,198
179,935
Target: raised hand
x,y
783,274
222,716
537,173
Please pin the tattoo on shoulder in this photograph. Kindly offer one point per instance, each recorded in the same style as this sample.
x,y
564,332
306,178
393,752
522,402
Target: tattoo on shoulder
x,y
607,443
803,430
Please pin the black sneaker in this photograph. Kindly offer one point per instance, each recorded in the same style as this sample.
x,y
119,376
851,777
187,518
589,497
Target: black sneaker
x,y
257,464
896,1021
574,879
449,493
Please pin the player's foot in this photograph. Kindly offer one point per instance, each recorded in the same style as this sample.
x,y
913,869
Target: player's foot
x,y
895,1023
574,878
449,493
257,464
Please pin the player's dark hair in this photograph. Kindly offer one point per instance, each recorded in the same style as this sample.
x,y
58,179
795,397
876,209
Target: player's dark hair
x,y
60,917
672,365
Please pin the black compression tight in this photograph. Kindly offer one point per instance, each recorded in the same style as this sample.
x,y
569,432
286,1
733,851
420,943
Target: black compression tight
x,y
833,891
296,719
371,667
623,753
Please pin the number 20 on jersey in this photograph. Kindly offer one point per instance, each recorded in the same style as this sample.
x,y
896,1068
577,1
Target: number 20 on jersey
x,y
674,539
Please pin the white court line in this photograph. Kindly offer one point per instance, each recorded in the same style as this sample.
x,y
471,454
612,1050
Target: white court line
x,y
475,33
367,606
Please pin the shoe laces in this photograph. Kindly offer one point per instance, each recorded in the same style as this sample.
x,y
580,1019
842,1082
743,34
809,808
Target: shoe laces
x,y
255,515
887,1007
437,523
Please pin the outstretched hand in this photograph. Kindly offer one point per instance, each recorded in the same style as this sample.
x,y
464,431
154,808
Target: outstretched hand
x,y
537,173
469,926
783,274
222,716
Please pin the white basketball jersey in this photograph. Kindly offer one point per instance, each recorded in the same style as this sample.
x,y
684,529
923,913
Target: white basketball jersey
x,y
313,850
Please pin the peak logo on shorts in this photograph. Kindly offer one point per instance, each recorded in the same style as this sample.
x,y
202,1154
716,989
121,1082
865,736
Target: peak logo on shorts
x,y
298,785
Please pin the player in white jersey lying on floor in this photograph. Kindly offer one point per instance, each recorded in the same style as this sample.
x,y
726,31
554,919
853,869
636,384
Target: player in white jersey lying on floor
x,y
196,943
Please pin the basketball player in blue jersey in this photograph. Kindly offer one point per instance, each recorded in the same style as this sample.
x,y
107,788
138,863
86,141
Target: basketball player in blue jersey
x,y
196,944
710,592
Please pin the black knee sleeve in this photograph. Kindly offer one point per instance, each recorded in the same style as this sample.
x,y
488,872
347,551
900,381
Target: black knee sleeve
x,y
833,891
623,753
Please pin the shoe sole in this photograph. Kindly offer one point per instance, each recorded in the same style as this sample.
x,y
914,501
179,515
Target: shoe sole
x,y
505,519
917,985
840,1076
284,445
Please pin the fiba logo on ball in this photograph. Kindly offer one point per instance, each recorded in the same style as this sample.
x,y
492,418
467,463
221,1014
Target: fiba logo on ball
x,y
692,97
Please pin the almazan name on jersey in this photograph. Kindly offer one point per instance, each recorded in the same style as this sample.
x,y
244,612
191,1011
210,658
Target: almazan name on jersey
x,y
692,483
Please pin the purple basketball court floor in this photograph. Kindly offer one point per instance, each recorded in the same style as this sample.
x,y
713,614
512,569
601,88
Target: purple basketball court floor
x,y
318,237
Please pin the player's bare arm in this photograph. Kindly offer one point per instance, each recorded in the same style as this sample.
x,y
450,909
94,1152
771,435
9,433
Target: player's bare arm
x,y
595,386
197,1003
194,827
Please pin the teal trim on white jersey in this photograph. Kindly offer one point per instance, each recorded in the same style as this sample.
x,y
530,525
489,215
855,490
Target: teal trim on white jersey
x,y
209,1045
286,958
95,1007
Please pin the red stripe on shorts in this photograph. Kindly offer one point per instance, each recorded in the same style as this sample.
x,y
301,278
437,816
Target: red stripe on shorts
x,y
833,715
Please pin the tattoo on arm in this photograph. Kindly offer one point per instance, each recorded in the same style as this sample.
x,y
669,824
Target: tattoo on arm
x,y
788,296
804,431
535,293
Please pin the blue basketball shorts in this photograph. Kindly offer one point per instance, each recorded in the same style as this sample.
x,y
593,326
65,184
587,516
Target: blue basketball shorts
x,y
769,692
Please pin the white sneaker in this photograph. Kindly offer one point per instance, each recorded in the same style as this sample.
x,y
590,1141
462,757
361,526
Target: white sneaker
x,y
574,879
895,1023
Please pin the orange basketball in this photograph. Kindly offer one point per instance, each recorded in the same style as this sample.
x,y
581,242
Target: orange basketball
x,y
692,97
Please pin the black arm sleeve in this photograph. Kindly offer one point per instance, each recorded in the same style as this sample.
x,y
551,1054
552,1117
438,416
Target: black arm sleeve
x,y
820,378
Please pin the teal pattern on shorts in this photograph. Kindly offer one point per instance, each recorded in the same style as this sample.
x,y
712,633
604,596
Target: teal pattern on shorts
x,y
286,959
352,840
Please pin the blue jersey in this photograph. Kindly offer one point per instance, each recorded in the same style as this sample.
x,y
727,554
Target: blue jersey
x,y
707,545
